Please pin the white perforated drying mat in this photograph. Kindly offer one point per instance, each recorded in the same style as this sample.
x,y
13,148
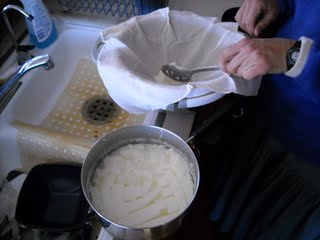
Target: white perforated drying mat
x,y
71,123
85,85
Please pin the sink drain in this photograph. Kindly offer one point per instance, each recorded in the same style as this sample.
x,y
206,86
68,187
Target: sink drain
x,y
99,110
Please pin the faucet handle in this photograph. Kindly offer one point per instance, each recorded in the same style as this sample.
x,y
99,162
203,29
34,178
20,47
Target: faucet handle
x,y
23,54
25,48
23,57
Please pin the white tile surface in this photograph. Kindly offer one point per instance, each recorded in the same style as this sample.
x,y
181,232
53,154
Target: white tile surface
x,y
214,8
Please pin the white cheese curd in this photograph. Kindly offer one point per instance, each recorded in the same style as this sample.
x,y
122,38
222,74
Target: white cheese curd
x,y
143,185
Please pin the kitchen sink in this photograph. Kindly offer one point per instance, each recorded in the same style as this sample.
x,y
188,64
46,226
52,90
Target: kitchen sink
x,y
58,114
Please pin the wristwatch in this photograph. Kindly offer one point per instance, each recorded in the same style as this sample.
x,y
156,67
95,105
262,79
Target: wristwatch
x,y
292,54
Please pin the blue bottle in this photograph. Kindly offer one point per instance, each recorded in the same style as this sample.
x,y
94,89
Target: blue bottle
x,y
148,6
42,30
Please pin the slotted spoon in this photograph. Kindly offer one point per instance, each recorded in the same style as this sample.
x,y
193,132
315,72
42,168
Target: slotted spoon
x,y
183,75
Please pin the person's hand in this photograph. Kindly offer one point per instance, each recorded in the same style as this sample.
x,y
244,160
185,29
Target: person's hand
x,y
253,57
256,15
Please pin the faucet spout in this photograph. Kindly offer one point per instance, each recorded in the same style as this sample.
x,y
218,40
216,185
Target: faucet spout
x,y
42,60
4,14
38,61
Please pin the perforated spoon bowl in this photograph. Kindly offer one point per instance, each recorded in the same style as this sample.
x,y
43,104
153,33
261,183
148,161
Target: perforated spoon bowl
x,y
183,75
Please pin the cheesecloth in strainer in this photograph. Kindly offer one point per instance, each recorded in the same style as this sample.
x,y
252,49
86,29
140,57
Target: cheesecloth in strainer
x,y
133,52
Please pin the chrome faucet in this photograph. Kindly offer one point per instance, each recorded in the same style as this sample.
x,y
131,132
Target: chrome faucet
x,y
22,51
28,62
6,87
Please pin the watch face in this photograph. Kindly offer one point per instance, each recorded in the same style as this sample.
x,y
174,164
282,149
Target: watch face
x,y
294,55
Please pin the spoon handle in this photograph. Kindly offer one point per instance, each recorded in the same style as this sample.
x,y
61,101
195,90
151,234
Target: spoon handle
x,y
211,68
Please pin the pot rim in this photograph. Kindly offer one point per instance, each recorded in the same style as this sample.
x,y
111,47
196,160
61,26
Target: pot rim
x,y
160,129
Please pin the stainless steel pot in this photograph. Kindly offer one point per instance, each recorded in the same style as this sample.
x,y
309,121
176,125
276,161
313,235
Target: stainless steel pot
x,y
148,134
124,136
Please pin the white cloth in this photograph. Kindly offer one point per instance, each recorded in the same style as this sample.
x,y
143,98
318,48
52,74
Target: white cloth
x,y
134,51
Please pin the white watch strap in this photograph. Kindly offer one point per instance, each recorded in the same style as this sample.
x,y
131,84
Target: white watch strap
x,y
306,44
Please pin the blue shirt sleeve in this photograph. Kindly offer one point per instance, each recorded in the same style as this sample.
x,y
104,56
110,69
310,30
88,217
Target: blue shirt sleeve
x,y
309,79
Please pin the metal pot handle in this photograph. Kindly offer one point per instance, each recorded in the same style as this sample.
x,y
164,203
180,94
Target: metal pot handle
x,y
96,49
213,118
15,173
